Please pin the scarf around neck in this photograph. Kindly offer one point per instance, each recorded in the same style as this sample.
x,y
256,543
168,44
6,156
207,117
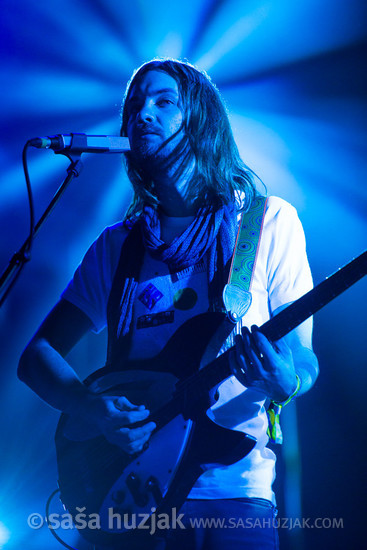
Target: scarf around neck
x,y
212,232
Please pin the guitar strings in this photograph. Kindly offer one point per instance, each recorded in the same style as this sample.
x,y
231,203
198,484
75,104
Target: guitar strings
x,y
107,456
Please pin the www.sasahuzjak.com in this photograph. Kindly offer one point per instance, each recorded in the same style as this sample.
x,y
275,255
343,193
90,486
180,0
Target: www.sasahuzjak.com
x,y
155,522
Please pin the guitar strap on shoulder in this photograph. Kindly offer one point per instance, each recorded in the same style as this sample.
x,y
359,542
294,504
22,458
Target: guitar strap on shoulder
x,y
236,294
237,297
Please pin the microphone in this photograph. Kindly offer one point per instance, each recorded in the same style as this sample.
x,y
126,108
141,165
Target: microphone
x,y
81,143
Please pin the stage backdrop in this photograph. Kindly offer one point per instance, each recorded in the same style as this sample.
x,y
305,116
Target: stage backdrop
x,y
293,77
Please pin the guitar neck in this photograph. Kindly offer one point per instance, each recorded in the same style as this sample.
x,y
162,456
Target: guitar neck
x,y
293,315
278,326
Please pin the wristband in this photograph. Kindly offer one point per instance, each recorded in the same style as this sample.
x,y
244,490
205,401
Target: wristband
x,y
283,403
274,430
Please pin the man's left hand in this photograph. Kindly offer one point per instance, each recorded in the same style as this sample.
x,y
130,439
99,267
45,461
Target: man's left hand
x,y
265,366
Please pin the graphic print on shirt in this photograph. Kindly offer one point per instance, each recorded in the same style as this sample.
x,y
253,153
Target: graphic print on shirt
x,y
150,296
155,319
191,270
171,297
185,298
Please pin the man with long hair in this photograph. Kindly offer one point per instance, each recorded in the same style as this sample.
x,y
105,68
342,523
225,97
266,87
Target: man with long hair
x,y
165,264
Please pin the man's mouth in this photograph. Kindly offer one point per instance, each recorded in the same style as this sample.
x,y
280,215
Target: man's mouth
x,y
146,132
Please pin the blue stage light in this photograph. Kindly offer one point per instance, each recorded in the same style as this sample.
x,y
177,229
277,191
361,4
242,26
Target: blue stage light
x,y
4,535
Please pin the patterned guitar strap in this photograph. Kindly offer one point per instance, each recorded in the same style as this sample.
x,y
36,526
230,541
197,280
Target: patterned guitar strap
x,y
237,296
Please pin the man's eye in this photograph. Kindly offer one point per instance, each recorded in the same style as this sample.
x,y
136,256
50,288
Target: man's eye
x,y
164,102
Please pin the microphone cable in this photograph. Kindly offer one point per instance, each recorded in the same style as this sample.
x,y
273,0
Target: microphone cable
x,y
24,255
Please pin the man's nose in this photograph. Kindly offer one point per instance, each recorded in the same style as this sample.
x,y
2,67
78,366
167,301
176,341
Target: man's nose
x,y
146,113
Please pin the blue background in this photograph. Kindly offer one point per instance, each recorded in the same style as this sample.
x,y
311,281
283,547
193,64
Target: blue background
x,y
293,75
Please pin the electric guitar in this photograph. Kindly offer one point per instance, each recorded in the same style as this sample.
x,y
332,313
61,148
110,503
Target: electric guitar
x,y
98,479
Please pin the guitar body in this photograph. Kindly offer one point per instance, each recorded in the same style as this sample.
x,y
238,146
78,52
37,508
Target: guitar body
x,y
96,477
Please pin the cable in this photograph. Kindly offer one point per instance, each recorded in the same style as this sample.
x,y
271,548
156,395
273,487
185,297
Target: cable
x,y
53,532
30,196
24,255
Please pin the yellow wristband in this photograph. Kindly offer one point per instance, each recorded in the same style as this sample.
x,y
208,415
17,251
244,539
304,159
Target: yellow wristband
x,y
292,395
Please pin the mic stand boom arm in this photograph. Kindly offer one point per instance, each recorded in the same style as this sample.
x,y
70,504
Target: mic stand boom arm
x,y
18,260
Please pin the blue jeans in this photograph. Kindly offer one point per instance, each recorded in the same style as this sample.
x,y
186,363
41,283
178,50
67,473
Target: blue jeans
x,y
238,524
244,523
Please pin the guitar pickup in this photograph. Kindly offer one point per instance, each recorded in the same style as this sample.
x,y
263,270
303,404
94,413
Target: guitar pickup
x,y
153,486
133,484
118,496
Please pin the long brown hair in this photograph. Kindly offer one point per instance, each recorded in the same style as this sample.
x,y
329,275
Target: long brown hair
x,y
220,175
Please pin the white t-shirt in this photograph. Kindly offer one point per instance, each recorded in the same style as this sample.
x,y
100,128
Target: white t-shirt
x,y
165,300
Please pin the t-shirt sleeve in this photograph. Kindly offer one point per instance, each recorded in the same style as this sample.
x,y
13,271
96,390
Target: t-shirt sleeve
x,y
288,270
90,287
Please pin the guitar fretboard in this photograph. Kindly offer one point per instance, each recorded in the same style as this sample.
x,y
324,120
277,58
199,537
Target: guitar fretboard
x,y
315,299
292,316
195,386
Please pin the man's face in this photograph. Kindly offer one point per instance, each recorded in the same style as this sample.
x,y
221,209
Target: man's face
x,y
154,116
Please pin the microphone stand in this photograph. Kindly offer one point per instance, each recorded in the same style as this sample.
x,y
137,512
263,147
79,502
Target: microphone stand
x,y
22,256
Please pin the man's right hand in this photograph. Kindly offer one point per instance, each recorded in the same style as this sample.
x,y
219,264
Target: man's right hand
x,y
112,416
